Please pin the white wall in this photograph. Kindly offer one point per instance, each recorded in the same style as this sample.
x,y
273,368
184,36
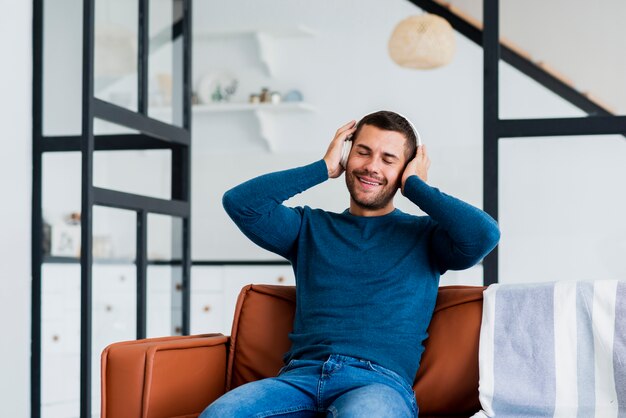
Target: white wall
x,y
15,183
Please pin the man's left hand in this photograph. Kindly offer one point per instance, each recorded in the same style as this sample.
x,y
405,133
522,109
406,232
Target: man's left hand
x,y
417,166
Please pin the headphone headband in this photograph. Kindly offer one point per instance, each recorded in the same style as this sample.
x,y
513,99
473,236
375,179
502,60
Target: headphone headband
x,y
417,134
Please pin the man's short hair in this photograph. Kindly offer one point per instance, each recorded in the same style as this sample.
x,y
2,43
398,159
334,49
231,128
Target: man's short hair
x,y
391,121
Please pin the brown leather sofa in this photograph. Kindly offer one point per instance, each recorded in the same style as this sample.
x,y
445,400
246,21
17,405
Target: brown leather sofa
x,y
179,376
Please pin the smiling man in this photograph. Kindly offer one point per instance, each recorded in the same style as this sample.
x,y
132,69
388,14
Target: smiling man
x,y
366,278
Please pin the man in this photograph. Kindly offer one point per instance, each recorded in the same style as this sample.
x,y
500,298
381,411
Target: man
x,y
366,278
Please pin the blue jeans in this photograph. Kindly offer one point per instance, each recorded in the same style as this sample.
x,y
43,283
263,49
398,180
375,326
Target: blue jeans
x,y
340,387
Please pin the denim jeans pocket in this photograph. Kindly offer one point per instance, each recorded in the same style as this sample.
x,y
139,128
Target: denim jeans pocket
x,y
286,367
392,375
297,363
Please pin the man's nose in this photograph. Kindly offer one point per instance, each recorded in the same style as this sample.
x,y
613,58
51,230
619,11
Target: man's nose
x,y
372,165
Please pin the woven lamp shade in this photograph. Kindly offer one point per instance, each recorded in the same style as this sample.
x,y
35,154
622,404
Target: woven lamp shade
x,y
423,41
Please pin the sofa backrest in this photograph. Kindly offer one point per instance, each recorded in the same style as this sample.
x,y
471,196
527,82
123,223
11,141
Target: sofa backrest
x,y
446,383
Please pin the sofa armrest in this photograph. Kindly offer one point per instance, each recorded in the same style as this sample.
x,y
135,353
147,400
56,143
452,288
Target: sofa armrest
x,y
163,377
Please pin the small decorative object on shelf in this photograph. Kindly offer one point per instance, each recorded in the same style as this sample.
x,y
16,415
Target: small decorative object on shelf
x,y
165,87
102,246
217,87
216,96
46,241
230,89
275,97
65,237
293,96
265,95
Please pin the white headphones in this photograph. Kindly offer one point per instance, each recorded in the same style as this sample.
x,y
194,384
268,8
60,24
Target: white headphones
x,y
347,144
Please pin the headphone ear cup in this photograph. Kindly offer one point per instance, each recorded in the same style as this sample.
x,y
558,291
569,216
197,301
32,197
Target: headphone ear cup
x,y
345,152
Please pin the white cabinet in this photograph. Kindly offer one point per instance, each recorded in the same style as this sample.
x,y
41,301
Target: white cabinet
x,y
114,303
207,313
61,410
60,340
164,301
207,300
214,292
114,313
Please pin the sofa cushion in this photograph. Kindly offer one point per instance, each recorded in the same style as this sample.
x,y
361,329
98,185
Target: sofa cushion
x,y
446,383
260,334
447,380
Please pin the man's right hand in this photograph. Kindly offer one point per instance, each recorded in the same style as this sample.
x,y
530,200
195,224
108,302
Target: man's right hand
x,y
333,154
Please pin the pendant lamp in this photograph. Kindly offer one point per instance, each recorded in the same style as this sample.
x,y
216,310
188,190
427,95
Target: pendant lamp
x,y
423,42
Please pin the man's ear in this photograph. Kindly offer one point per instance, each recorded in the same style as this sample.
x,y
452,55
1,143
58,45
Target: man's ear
x,y
412,157
399,181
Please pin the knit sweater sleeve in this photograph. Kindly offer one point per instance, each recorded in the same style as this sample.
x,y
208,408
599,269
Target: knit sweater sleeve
x,y
463,234
256,206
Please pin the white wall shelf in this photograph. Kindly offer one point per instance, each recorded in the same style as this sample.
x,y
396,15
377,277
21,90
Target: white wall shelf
x,y
264,112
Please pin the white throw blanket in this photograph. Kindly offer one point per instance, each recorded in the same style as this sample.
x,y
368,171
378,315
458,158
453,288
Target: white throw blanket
x,y
554,350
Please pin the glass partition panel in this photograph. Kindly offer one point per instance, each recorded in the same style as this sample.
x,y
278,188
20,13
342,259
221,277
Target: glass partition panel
x,y
164,276
114,300
62,67
561,209
115,53
164,300
60,340
165,66
144,172
61,191
164,238
578,46
114,235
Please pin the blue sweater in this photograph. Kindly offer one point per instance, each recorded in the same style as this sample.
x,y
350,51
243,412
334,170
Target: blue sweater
x,y
365,286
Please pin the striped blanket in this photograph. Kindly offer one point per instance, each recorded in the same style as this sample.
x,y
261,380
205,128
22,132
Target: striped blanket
x,y
554,350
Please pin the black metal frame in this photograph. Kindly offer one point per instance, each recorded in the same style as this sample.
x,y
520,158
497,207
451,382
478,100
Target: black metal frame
x,y
153,134
491,94
37,211
494,128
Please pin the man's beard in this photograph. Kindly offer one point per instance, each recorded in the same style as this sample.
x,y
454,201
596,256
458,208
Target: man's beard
x,y
372,201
